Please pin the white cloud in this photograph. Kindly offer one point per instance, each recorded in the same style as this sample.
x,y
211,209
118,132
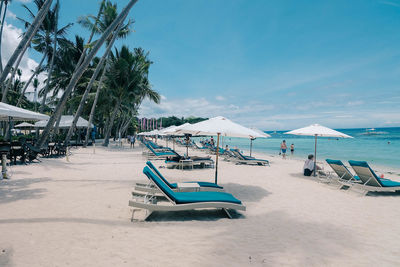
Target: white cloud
x,y
11,38
11,15
355,103
220,98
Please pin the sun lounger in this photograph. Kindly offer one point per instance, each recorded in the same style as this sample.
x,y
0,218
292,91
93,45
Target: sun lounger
x,y
178,187
242,159
184,200
370,182
342,172
159,154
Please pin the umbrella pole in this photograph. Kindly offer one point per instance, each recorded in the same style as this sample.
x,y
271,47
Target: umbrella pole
x,y
315,157
216,160
251,145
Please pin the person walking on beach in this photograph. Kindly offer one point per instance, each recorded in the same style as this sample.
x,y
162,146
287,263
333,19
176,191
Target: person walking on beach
x,y
283,149
133,141
292,149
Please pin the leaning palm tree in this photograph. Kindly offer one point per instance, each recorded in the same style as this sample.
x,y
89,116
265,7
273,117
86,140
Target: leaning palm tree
x,y
108,14
3,20
46,40
80,70
127,82
24,43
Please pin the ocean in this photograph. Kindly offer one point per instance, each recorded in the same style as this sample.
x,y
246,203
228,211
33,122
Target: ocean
x,y
380,146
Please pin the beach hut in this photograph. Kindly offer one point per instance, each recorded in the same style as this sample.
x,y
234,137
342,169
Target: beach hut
x,y
219,126
318,130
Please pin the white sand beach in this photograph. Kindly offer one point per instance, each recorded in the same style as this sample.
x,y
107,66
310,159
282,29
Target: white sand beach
x,y
59,213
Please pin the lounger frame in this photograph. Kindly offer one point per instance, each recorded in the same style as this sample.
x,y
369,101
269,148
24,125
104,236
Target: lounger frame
x,y
151,204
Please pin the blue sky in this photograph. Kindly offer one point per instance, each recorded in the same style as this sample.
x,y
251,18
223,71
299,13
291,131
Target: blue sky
x,y
275,65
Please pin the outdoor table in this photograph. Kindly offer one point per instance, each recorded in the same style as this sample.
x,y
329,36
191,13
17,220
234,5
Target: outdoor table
x,y
186,162
182,187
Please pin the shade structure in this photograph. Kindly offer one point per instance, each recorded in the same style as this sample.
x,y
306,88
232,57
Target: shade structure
x,y
318,130
219,126
65,122
176,129
168,129
261,133
19,114
24,125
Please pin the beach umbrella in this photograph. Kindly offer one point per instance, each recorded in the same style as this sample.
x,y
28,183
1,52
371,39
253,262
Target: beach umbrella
x,y
19,114
261,133
12,113
219,126
65,122
25,125
318,130
173,131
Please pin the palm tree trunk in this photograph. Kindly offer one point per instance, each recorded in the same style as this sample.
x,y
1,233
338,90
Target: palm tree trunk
x,y
81,69
26,40
8,86
92,79
1,30
111,123
96,98
30,80
91,34
46,89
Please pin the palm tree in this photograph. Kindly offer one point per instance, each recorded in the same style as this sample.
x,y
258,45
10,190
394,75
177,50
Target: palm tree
x,y
24,43
48,36
35,84
127,82
3,20
81,69
107,16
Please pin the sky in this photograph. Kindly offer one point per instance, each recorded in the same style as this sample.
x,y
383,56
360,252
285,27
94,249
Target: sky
x,y
275,65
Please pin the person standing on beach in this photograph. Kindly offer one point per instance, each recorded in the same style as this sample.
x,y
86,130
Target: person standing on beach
x,y
283,149
133,141
292,149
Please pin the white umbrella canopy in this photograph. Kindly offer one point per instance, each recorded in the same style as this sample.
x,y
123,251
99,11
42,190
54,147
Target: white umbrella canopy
x,y
24,125
65,122
175,130
219,126
261,133
19,114
318,130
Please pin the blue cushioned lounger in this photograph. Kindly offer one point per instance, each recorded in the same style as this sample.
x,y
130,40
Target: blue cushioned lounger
x,y
185,200
371,181
242,159
175,185
341,170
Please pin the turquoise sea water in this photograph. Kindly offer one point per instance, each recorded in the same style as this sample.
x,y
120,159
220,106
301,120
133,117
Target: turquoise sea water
x,y
373,148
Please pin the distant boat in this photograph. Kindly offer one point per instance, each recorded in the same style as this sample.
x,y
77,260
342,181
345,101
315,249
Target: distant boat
x,y
372,131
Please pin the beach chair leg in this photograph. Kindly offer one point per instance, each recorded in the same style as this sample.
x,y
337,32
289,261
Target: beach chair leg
x,y
148,213
228,214
133,213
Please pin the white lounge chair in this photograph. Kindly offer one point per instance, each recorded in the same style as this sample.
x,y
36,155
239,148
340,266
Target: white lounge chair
x,y
184,200
150,188
370,182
